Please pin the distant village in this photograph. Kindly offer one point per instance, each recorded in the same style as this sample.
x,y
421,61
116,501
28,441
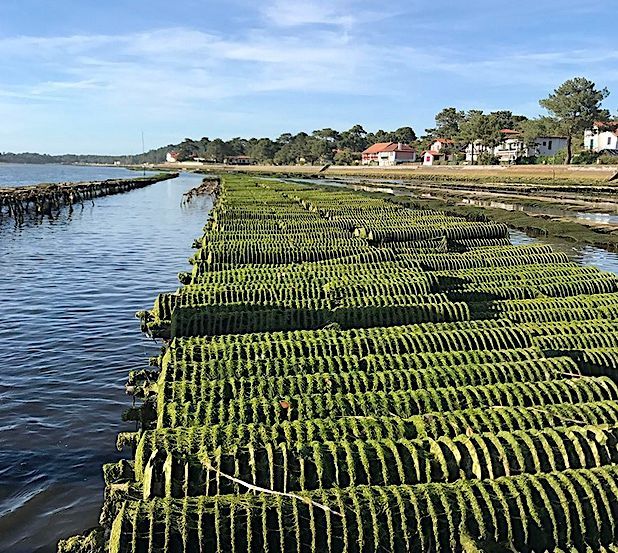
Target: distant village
x,y
512,148
575,129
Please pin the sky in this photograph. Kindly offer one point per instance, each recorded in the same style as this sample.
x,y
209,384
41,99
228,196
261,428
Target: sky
x,y
88,76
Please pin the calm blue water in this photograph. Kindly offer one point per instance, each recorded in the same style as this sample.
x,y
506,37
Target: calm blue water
x,y
68,337
15,174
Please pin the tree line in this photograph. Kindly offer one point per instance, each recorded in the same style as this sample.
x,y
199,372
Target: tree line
x,y
571,108
321,145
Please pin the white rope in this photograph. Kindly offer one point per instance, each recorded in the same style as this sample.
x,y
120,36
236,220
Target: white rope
x,y
273,492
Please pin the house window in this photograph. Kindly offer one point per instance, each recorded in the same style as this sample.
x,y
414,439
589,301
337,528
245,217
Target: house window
x,y
544,143
549,145
609,140
592,143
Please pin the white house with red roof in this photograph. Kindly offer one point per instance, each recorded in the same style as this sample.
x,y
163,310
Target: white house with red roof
x,y
430,157
603,137
440,150
388,153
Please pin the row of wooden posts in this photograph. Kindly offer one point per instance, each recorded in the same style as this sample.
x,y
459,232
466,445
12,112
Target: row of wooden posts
x,y
47,199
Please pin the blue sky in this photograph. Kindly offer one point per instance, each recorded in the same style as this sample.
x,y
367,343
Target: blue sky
x,y
87,76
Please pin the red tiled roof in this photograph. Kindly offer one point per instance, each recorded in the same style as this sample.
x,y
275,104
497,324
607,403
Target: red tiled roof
x,y
508,131
608,125
432,152
377,147
388,147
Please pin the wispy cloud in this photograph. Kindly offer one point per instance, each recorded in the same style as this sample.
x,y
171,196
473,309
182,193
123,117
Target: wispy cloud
x,y
311,12
345,15
187,64
54,86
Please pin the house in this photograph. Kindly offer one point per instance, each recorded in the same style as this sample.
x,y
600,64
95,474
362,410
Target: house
x,y
602,137
431,156
172,157
442,144
237,160
440,150
513,147
549,145
388,153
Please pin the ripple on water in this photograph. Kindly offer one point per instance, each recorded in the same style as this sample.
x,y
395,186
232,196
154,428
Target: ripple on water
x,y
69,336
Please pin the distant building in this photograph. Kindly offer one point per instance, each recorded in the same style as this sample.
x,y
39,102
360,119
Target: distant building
x,y
549,145
513,147
172,157
388,153
602,137
442,144
440,150
431,156
237,160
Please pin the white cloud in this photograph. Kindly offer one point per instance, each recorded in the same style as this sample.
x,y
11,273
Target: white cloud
x,y
310,12
55,86
510,66
346,15
186,64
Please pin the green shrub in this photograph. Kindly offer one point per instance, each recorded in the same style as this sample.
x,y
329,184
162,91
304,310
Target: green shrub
x,y
488,158
586,157
607,159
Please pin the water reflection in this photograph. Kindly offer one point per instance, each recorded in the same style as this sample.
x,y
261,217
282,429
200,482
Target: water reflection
x,y
584,255
601,218
598,218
